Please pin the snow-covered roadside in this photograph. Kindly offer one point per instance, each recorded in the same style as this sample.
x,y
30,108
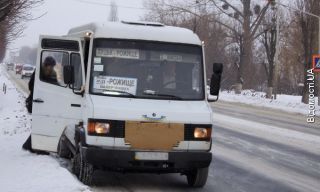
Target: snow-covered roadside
x,y
19,169
287,103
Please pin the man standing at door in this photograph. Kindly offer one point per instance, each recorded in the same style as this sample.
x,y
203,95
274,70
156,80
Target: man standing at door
x,y
27,143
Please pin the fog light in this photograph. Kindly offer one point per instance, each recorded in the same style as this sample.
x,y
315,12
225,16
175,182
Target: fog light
x,y
102,128
201,133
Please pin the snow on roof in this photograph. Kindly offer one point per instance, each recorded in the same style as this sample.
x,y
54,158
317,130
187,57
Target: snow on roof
x,y
138,31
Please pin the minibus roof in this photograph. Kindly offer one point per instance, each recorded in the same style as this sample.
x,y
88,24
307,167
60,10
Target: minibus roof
x,y
149,31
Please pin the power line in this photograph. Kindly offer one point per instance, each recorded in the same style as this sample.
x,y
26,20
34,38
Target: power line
x,y
109,5
139,8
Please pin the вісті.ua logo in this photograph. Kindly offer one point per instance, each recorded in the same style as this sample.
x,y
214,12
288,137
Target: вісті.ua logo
x,y
316,63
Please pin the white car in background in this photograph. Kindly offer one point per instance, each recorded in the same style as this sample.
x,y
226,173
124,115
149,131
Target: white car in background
x,y
27,70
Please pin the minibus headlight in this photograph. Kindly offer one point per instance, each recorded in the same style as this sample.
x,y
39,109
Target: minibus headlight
x,y
98,128
202,133
102,128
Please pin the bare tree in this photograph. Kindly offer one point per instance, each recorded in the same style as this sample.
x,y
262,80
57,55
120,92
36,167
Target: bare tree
x,y
290,56
309,30
200,21
243,26
113,16
245,33
13,16
269,40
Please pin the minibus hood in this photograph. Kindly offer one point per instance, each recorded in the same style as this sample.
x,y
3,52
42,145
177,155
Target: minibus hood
x,y
131,109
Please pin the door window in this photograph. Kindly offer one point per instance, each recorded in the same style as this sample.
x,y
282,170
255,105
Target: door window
x,y
51,68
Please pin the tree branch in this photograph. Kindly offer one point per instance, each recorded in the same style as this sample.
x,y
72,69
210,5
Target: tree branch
x,y
197,15
233,7
224,12
258,20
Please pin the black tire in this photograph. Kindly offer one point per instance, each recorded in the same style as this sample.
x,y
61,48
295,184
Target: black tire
x,y
76,164
82,169
198,178
63,150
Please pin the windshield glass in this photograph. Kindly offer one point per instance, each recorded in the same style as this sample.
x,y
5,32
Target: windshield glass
x,y
27,68
143,69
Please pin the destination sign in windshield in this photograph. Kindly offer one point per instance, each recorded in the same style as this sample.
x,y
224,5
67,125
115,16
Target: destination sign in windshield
x,y
118,53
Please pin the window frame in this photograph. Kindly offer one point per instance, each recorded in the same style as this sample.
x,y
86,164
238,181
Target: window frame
x,y
70,63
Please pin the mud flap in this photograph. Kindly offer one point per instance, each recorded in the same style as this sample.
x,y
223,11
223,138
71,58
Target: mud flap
x,y
27,145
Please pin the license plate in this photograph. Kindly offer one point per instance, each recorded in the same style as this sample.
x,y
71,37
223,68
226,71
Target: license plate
x,y
152,156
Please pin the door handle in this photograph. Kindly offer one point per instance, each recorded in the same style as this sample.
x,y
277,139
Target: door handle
x,y
75,105
38,100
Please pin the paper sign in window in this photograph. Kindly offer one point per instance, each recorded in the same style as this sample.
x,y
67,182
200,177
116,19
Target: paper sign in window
x,y
122,84
98,68
118,53
97,60
170,57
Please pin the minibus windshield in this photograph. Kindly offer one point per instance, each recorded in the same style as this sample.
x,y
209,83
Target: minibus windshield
x,y
143,69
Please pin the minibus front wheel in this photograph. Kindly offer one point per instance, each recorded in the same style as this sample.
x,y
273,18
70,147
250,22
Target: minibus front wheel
x,y
82,169
63,151
198,177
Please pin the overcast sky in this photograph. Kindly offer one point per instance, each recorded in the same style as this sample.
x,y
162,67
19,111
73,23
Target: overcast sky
x,y
61,15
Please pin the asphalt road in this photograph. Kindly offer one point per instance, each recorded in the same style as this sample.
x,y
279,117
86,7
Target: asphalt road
x,y
254,149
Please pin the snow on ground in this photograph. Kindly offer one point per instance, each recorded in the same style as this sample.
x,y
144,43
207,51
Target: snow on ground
x,y
297,139
21,170
287,103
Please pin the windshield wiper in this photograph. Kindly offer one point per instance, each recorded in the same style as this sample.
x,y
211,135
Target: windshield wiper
x,y
115,92
154,93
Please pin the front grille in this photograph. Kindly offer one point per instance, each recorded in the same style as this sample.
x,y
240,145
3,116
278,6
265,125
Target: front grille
x,y
119,130
188,132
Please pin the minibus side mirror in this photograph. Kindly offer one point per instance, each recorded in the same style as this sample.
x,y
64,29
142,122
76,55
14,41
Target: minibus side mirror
x,y
215,81
68,74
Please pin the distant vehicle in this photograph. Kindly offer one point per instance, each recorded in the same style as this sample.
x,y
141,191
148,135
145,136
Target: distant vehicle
x,y
26,71
10,66
18,68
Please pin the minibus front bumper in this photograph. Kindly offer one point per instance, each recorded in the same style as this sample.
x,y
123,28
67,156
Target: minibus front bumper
x,y
125,160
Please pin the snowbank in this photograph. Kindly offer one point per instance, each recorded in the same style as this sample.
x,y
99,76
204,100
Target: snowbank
x,y
19,169
287,103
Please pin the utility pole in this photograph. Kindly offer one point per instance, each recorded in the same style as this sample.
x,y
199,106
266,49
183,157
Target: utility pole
x,y
195,24
276,58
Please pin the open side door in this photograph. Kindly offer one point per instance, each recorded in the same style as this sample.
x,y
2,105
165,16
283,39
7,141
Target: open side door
x,y
55,104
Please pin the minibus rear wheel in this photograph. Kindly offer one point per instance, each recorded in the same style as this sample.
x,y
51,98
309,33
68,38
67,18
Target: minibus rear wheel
x,y
198,177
